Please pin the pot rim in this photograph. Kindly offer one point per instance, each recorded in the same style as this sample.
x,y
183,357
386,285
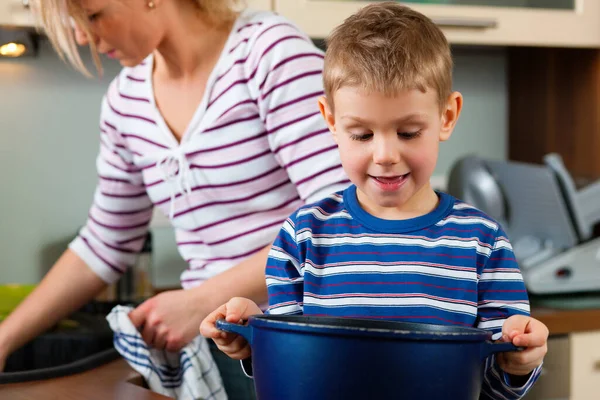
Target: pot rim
x,y
365,327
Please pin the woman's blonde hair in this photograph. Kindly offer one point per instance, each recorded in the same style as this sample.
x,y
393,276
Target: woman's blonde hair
x,y
54,16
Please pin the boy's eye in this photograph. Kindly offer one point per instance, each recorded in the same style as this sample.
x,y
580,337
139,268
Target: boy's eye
x,y
361,137
93,17
409,135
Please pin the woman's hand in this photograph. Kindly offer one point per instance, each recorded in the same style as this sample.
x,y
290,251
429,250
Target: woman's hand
x,y
170,319
236,310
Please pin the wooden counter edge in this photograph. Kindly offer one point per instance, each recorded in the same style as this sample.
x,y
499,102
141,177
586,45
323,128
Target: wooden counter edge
x,y
563,322
115,380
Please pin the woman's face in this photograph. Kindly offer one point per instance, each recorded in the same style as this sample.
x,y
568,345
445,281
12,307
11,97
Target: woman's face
x,y
126,30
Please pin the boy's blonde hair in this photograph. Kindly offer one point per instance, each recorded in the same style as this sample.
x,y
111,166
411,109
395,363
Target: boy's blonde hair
x,y
385,48
54,17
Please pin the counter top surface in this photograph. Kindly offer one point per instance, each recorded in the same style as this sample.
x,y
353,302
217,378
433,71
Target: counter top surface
x,y
115,380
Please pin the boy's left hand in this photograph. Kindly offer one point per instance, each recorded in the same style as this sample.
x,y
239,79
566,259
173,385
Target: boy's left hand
x,y
527,332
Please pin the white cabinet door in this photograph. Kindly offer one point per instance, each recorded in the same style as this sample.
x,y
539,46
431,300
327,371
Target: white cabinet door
x,y
560,23
15,13
260,4
585,366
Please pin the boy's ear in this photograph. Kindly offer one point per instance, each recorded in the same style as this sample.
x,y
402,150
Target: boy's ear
x,y
327,114
450,115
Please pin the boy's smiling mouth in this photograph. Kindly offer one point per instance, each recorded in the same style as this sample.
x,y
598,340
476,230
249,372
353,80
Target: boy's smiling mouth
x,y
390,182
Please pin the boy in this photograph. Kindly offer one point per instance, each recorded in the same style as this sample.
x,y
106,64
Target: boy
x,y
389,246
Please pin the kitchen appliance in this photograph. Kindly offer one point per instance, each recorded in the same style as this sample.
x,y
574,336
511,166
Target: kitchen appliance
x,y
549,222
322,358
74,345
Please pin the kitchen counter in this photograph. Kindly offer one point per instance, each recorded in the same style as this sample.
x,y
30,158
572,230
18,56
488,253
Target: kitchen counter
x,y
562,322
116,380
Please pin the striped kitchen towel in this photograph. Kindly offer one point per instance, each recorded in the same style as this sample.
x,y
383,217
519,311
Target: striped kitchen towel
x,y
190,374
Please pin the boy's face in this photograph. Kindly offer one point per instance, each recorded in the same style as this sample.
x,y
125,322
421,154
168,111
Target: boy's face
x,y
389,146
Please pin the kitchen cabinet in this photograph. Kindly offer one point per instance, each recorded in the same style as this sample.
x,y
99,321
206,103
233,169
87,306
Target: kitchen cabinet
x,y
558,23
571,368
555,380
554,99
260,4
16,13
585,365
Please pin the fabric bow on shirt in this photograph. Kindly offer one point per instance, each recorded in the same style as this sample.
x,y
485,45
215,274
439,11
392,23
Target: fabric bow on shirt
x,y
190,373
176,171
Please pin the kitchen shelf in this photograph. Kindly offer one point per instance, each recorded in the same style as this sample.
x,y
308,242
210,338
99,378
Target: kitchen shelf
x,y
578,26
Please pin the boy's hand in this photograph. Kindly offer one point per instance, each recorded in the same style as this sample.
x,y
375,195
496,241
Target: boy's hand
x,y
236,310
526,332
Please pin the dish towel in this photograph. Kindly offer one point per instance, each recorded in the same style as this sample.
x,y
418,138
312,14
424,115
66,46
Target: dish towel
x,y
190,374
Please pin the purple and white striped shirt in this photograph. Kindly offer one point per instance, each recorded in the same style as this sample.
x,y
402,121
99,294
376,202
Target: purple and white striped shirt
x,y
255,150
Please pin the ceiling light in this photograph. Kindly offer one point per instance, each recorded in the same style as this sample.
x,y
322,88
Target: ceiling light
x,y
17,43
12,49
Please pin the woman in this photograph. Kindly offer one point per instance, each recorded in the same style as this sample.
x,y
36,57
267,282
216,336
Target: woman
x,y
214,120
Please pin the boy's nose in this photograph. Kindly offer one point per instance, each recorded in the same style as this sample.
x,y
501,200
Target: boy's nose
x,y
386,153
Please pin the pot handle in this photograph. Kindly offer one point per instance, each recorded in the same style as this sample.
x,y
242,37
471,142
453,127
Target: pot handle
x,y
243,330
490,348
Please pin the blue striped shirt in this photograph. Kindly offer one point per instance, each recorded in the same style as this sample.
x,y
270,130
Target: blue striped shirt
x,y
452,266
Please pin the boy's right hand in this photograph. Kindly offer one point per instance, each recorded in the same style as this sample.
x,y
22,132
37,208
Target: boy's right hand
x,y
236,311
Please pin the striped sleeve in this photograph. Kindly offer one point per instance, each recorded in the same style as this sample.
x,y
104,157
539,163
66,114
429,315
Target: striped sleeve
x,y
118,220
502,293
288,73
285,280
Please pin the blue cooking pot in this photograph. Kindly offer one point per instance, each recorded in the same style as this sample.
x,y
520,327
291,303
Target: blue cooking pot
x,y
323,358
